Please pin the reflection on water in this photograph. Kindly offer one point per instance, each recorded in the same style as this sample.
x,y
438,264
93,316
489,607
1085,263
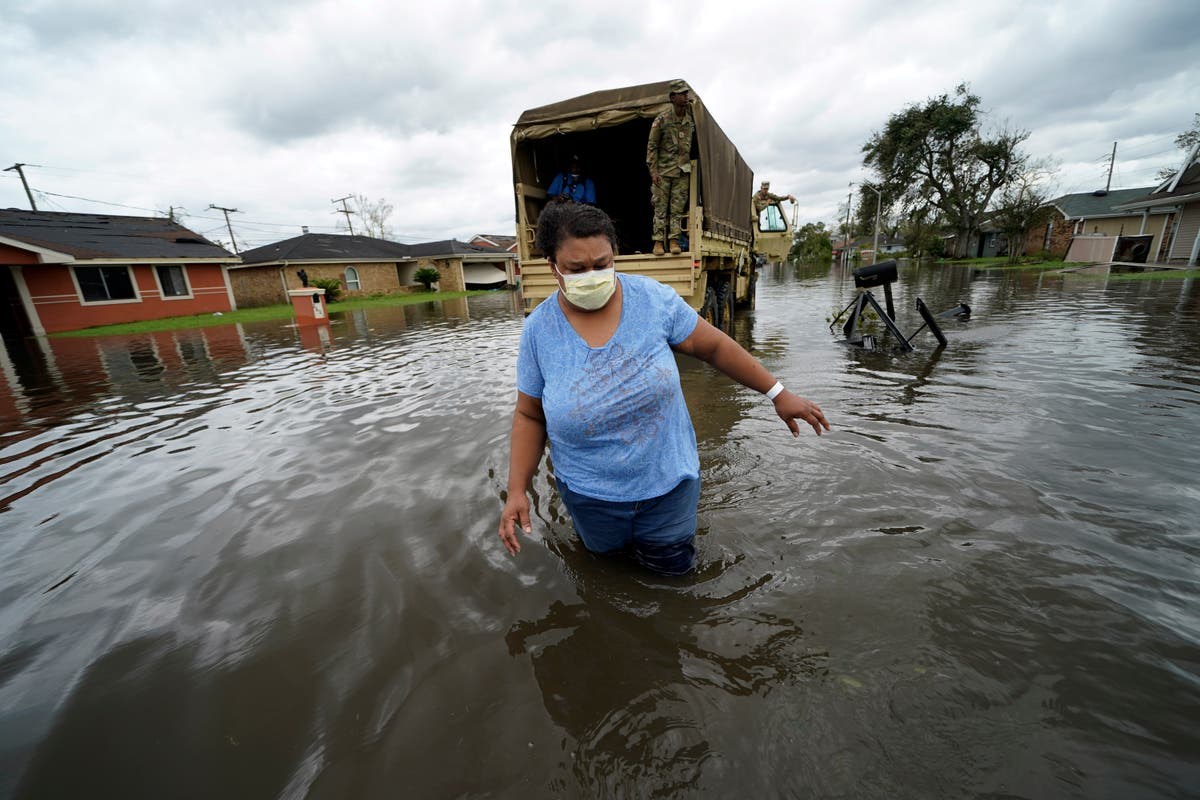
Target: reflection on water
x,y
261,561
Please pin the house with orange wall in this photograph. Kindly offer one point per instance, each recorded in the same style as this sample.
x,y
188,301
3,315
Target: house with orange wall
x,y
65,271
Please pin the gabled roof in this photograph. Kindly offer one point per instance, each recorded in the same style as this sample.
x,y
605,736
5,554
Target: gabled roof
x,y
326,247
105,236
1185,190
448,247
1090,205
499,241
315,247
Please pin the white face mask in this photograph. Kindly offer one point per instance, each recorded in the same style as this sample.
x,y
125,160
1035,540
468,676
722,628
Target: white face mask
x,y
589,290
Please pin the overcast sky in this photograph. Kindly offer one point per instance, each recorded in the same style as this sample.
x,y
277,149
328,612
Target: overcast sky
x,y
277,107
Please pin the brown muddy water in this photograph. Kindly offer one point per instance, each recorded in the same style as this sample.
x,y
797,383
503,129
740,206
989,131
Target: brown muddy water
x,y
249,563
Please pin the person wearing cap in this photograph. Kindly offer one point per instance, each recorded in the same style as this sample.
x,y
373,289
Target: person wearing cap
x,y
763,198
571,186
668,156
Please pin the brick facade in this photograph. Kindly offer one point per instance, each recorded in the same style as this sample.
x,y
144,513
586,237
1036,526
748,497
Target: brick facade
x,y
1054,237
264,286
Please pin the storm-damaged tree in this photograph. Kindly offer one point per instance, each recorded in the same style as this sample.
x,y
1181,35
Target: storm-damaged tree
x,y
1185,142
373,216
937,153
811,243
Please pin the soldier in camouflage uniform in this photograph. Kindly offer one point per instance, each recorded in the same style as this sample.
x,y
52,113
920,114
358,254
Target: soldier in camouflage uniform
x,y
763,198
668,155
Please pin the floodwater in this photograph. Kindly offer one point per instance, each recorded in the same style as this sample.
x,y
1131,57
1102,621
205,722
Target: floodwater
x,y
261,562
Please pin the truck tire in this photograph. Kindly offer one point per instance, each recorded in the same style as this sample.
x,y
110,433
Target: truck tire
x,y
725,307
708,311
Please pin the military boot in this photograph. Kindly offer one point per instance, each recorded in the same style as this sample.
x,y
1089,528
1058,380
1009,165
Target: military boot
x,y
658,248
675,248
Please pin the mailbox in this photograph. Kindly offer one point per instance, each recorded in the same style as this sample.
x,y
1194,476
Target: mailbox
x,y
308,304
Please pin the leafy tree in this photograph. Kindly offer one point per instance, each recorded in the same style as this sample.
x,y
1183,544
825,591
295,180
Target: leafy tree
x,y
1184,141
937,155
426,276
811,242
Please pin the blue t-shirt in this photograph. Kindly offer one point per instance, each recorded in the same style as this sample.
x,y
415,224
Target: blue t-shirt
x,y
618,426
573,187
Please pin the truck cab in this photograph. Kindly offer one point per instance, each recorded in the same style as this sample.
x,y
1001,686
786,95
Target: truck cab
x,y
773,234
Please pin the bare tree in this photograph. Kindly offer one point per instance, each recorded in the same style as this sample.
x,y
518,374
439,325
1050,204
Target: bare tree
x,y
373,216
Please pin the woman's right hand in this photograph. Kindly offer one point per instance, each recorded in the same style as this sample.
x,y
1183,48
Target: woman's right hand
x,y
515,514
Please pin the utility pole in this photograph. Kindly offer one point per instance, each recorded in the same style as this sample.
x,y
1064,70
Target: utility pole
x,y
232,240
1111,161
345,211
24,183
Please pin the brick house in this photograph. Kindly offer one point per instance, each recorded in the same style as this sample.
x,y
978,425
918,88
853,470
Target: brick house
x,y
64,271
364,266
463,266
1097,214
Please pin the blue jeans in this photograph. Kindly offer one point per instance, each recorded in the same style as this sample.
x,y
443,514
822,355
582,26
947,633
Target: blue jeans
x,y
660,532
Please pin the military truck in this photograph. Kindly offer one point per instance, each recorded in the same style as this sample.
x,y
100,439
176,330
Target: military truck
x,y
608,131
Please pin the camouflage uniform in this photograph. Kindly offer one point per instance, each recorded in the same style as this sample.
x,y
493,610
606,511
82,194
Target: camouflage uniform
x,y
669,154
762,198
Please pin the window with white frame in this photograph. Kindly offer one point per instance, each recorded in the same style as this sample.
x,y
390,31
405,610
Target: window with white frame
x,y
352,281
105,284
173,281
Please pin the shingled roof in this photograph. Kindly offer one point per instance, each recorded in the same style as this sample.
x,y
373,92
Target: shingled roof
x,y
85,236
1185,190
1090,205
341,247
449,247
326,247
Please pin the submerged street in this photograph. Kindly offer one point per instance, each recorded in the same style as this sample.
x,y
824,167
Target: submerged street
x,y
254,561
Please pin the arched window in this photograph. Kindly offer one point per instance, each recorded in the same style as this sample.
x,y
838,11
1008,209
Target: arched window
x,y
352,282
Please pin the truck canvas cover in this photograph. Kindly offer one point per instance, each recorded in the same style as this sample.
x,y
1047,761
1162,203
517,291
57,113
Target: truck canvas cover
x,y
725,178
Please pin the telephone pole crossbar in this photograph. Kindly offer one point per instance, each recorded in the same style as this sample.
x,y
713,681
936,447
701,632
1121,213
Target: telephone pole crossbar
x,y
228,227
25,183
345,211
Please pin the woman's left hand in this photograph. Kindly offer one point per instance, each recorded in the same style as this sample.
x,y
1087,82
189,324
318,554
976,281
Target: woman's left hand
x,y
791,407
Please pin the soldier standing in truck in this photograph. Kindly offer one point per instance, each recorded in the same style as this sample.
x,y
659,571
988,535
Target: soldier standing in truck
x,y
668,155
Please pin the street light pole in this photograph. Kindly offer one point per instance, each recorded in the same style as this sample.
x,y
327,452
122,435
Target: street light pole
x,y
846,241
878,204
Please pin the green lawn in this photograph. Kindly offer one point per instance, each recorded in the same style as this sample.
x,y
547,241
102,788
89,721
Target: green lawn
x,y
1154,275
263,314
1001,262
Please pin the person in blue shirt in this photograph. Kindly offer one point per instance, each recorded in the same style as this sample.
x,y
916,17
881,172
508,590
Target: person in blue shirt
x,y
597,378
571,186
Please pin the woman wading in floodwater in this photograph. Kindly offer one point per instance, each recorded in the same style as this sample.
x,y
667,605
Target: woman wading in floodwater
x,y
596,375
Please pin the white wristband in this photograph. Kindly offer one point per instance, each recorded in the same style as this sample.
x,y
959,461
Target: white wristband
x,y
774,391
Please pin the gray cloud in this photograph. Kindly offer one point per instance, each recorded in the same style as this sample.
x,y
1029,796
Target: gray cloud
x,y
278,106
